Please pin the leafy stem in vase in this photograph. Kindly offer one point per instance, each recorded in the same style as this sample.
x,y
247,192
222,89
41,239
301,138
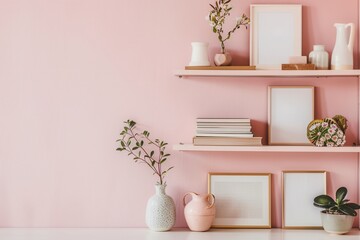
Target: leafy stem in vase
x,y
143,149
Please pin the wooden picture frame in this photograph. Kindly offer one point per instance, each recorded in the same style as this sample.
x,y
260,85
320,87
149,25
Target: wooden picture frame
x,y
243,200
290,110
299,188
275,34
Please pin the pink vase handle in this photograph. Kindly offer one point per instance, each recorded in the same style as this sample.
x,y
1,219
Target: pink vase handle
x,y
212,198
191,193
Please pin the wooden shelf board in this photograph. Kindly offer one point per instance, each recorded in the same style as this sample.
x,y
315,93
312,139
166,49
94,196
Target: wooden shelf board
x,y
312,149
267,73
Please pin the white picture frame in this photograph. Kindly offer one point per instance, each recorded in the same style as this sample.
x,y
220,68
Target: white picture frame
x,y
299,188
275,34
290,110
243,200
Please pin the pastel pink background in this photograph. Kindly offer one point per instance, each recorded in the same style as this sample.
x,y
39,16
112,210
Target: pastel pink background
x,y
71,71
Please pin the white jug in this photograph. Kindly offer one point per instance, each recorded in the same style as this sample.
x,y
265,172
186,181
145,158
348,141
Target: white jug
x,y
342,56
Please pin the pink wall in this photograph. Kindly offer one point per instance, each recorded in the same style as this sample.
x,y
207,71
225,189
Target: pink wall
x,y
72,70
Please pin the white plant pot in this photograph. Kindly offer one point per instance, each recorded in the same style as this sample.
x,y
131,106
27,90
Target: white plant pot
x,y
336,224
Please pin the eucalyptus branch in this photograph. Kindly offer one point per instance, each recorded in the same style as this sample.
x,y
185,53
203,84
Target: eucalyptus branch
x,y
137,157
132,140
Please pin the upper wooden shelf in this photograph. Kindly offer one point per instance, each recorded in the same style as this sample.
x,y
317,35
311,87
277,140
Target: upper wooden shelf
x,y
267,73
312,149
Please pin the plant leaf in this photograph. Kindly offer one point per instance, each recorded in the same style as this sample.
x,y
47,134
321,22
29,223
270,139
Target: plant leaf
x,y
352,205
347,210
340,194
324,201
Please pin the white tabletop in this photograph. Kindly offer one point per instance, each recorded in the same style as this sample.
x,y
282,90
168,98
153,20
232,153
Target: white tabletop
x,y
176,234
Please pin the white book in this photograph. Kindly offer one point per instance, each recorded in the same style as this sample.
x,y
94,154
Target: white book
x,y
240,135
223,120
222,131
223,126
227,129
227,141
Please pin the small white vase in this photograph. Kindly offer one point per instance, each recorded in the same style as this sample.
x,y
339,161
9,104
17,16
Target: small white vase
x,y
319,57
160,210
199,55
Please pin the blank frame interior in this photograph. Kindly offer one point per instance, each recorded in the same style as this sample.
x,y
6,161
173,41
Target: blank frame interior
x,y
275,34
299,188
243,200
290,110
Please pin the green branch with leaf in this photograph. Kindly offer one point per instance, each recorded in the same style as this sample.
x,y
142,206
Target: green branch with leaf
x,y
142,149
217,16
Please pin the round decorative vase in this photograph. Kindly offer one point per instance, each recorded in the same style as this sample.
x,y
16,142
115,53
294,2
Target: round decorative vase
x,y
200,211
222,59
319,57
336,224
342,55
199,55
160,210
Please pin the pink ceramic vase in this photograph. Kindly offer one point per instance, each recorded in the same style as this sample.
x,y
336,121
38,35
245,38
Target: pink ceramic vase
x,y
222,59
200,211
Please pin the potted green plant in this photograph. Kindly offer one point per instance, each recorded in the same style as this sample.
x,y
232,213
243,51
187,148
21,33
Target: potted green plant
x,y
338,216
217,15
160,209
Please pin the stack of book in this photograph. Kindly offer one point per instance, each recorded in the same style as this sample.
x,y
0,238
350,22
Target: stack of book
x,y
225,132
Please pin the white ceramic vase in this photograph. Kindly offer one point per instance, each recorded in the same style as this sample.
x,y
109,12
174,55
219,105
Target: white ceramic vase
x,y
336,224
319,57
342,55
199,55
160,210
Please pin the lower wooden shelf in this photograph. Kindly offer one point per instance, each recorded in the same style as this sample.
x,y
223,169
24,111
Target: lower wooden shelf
x,y
312,149
174,234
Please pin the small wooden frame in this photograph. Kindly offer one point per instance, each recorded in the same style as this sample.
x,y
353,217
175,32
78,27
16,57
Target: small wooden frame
x,y
299,188
243,200
290,110
298,67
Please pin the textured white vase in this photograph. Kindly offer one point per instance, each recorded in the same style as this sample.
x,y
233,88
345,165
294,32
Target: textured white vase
x,y
160,210
319,57
199,56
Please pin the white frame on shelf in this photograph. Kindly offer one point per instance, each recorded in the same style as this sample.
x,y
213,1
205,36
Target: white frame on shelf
x,y
298,191
290,110
279,42
244,199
